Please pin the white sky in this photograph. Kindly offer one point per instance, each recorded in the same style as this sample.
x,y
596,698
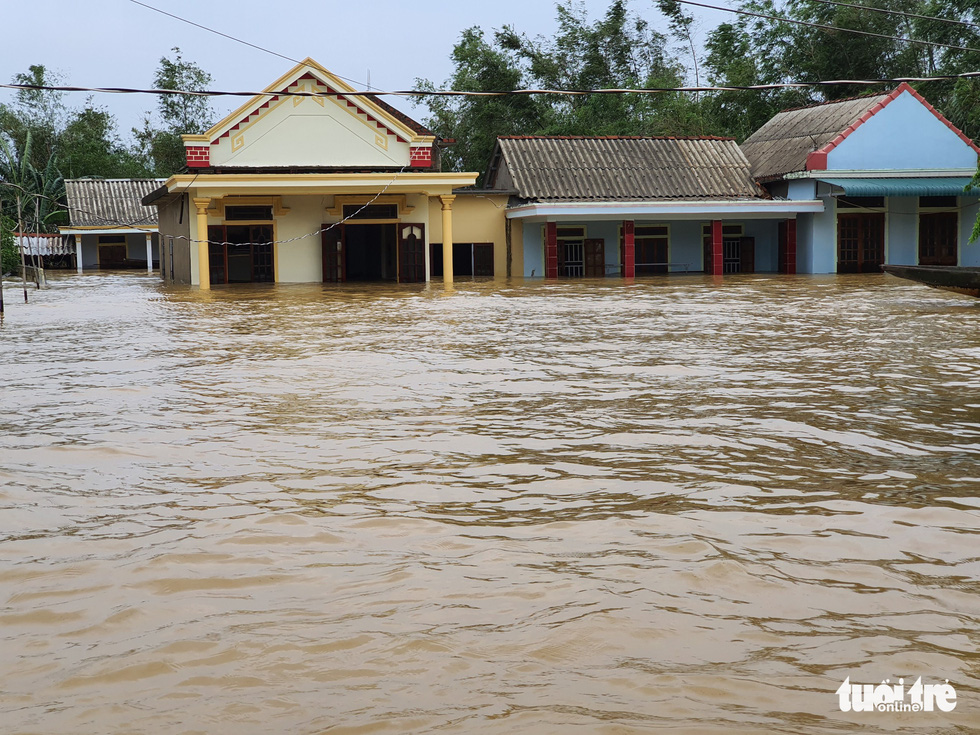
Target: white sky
x,y
116,43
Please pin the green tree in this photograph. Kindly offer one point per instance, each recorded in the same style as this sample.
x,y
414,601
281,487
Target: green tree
x,y
9,257
754,50
36,113
41,191
475,122
161,147
616,51
90,146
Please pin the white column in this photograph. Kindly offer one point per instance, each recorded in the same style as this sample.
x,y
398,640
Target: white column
x,y
78,253
149,253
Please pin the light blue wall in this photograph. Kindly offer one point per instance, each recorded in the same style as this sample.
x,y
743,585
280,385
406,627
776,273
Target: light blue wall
x,y
90,251
969,253
766,234
823,250
533,250
902,230
801,189
903,135
686,245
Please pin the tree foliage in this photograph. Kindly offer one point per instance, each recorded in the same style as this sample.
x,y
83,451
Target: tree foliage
x,y
161,146
619,50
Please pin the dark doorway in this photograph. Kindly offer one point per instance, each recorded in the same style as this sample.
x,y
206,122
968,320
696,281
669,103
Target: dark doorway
x,y
860,243
371,252
938,238
595,258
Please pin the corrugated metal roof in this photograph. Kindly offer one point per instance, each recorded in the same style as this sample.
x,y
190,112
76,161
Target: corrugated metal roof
x,y
934,187
627,169
782,144
109,202
43,244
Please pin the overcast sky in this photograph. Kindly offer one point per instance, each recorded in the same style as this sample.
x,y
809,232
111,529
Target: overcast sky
x,y
117,43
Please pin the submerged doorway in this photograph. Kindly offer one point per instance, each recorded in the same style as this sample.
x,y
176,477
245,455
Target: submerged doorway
x,y
241,253
860,242
372,252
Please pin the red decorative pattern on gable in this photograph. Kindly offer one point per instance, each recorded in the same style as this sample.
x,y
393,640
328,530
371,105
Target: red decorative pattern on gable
x,y
421,157
817,161
198,156
291,88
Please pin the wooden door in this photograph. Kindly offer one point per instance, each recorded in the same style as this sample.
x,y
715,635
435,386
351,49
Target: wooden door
x,y
860,242
333,251
938,238
747,255
595,258
217,254
411,253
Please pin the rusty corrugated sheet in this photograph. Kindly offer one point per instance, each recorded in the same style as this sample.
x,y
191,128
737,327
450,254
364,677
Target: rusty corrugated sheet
x,y
110,202
627,169
782,144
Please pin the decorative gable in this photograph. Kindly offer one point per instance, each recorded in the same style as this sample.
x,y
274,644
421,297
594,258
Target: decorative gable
x,y
321,127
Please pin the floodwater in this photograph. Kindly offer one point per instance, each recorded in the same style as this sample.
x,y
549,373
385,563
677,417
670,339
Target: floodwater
x,y
682,505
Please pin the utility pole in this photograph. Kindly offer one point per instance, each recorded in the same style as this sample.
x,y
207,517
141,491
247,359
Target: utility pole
x,y
23,265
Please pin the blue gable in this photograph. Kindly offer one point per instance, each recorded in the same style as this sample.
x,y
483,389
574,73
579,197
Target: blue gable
x,y
904,134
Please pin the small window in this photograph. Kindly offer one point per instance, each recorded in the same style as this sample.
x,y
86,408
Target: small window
x,y
861,202
571,232
726,230
111,239
937,202
371,211
651,231
248,214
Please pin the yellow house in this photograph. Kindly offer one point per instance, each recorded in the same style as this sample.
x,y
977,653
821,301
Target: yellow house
x,y
308,182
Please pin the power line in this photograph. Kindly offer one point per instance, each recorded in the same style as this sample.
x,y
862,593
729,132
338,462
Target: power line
x,y
830,28
230,37
502,93
899,12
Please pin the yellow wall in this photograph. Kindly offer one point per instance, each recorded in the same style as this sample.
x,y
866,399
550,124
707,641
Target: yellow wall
x,y
479,218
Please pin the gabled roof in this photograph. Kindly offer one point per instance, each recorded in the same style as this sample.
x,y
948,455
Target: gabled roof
x,y
110,202
572,168
308,69
800,139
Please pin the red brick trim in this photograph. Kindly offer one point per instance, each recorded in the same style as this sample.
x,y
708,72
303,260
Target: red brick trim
x,y
717,249
198,156
817,161
629,249
551,250
421,157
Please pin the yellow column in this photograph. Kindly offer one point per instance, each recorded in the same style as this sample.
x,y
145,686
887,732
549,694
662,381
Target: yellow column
x,y
447,238
203,264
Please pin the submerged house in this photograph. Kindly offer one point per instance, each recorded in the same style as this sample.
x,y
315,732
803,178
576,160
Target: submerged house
x,y
308,182
109,225
890,171
631,206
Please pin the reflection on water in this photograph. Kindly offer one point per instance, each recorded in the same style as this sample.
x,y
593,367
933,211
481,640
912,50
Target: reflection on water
x,y
680,505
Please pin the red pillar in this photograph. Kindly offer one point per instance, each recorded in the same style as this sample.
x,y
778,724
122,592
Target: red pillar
x,y
629,249
790,246
717,249
551,250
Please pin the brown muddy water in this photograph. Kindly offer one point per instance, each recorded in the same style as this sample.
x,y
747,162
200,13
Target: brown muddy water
x,y
676,506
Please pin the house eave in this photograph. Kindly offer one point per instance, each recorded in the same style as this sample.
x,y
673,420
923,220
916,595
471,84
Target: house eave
x,y
698,210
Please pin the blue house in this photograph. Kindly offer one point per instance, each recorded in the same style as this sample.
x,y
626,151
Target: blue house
x,y
611,206
890,171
